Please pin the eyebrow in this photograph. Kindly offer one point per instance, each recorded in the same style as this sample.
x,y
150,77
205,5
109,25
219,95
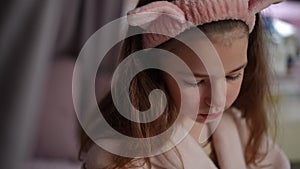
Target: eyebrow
x,y
239,68
205,75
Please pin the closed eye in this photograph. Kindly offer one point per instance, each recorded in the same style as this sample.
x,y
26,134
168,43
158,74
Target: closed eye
x,y
234,77
201,82
195,84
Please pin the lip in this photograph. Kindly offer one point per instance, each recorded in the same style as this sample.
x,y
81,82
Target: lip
x,y
211,116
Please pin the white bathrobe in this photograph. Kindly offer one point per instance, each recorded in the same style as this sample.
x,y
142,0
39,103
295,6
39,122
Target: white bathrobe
x,y
229,140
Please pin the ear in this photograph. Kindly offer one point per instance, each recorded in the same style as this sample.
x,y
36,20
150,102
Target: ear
x,y
256,6
144,15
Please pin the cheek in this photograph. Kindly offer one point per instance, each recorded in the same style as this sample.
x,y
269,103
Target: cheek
x,y
233,91
189,95
174,90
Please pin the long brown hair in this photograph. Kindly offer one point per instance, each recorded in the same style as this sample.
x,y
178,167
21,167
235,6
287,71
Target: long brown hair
x,y
253,98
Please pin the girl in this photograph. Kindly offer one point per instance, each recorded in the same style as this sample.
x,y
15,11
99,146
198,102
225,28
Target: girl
x,y
237,100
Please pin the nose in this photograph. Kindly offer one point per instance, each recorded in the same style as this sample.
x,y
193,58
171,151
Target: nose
x,y
216,94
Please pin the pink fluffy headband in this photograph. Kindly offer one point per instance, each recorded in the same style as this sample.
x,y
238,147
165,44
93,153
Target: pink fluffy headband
x,y
184,14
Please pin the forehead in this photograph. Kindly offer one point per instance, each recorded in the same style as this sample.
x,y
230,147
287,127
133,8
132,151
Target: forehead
x,y
230,48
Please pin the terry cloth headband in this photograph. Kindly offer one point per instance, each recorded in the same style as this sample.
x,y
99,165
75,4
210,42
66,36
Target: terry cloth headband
x,y
184,14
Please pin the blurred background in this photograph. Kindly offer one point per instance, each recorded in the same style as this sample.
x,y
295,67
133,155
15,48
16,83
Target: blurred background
x,y
39,44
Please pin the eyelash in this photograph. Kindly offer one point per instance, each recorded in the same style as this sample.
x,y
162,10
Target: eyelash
x,y
231,78
195,84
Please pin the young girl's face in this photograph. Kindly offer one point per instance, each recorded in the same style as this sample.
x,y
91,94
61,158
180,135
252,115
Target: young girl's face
x,y
232,50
